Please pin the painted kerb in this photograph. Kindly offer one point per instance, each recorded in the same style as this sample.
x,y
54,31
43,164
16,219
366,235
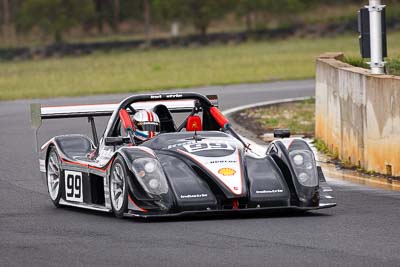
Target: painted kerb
x,y
358,114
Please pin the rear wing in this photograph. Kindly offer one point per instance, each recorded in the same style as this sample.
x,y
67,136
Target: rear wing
x,y
174,102
39,112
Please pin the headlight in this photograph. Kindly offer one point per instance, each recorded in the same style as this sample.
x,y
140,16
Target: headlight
x,y
304,167
149,167
303,177
154,184
308,165
150,175
298,159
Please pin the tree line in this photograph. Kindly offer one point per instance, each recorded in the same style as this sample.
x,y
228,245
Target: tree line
x,y
55,17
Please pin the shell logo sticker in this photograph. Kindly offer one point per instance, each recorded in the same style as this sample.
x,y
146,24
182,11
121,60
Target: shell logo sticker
x,y
226,171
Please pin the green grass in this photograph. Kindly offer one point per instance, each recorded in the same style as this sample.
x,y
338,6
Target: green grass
x,y
322,147
299,117
393,66
140,70
357,62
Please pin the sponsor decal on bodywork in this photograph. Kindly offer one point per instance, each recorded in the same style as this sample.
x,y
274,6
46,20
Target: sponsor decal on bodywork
x,y
194,196
273,191
73,186
195,146
226,171
42,165
221,161
166,96
231,177
201,146
174,96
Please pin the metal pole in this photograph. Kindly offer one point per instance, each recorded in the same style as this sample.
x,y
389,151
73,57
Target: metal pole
x,y
375,25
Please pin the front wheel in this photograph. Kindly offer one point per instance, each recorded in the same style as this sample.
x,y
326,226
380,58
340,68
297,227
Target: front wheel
x,y
118,187
53,176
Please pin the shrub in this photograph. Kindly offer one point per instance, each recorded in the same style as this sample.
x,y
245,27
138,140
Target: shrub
x,y
393,66
356,62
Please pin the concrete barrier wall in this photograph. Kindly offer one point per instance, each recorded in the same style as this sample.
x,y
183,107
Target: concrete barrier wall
x,y
358,114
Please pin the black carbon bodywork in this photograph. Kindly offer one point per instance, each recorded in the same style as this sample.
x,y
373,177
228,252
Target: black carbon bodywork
x,y
264,174
206,172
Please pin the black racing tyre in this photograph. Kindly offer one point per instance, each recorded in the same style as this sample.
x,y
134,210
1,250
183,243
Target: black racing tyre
x,y
118,187
53,176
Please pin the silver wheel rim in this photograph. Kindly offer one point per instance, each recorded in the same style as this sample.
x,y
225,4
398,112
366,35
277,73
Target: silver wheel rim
x,y
53,175
117,186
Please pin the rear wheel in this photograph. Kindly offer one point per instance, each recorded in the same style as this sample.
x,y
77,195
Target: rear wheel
x,y
118,187
53,175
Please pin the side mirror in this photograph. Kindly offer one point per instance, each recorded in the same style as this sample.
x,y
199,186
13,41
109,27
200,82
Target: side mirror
x,y
281,133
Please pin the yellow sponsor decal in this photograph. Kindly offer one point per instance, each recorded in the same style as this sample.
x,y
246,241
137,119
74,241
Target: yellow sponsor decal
x,y
227,171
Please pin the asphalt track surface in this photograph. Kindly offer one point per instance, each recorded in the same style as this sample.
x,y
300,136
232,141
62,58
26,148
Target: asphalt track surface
x,y
363,230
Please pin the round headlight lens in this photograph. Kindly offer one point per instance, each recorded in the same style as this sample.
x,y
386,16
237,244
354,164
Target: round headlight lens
x,y
298,159
154,183
309,166
149,167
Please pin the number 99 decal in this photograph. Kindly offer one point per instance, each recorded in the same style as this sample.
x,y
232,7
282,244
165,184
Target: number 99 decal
x,y
201,146
73,186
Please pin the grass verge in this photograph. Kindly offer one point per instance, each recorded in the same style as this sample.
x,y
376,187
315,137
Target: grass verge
x,y
298,116
322,147
392,64
142,70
